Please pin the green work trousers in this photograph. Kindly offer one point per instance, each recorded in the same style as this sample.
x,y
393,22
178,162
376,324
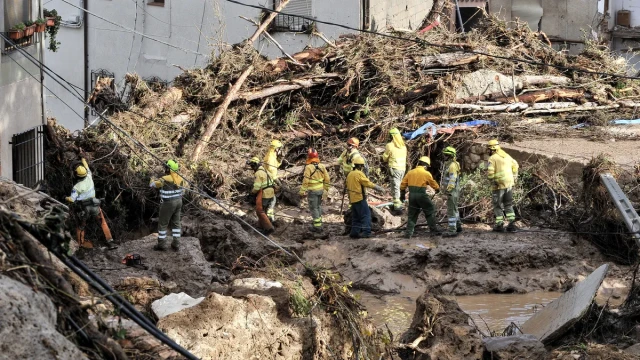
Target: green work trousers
x,y
269,207
170,212
315,207
419,201
453,215
395,178
503,205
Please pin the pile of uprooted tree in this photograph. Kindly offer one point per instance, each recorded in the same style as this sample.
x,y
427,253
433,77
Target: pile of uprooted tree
x,y
213,119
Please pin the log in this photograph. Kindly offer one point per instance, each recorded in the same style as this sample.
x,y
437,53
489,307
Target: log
x,y
529,98
434,15
447,60
309,57
493,108
529,80
285,86
577,108
213,123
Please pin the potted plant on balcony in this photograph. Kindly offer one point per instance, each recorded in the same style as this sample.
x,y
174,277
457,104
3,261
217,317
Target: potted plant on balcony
x,y
52,31
29,28
41,25
17,32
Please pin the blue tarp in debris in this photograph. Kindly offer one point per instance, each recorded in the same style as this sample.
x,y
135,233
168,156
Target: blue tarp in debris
x,y
625,122
432,128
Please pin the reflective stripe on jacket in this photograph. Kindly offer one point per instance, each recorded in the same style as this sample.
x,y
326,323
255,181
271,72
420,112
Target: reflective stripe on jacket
x,y
263,182
346,159
396,157
452,175
356,182
84,189
503,170
419,177
170,186
315,177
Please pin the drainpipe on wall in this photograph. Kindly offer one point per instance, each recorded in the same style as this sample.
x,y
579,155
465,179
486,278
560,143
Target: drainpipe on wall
x,y
85,19
41,58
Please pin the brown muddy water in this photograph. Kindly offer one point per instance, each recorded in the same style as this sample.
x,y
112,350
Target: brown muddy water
x,y
492,311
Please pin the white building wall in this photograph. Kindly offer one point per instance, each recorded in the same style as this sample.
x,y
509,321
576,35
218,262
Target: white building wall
x,y
398,14
20,96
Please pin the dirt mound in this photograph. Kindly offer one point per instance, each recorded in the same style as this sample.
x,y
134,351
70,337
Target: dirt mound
x,y
440,330
183,271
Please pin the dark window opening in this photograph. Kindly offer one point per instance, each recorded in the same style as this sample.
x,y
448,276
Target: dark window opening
x,y
156,3
470,17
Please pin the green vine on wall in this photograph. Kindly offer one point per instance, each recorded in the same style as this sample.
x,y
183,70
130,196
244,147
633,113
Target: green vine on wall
x,y
52,31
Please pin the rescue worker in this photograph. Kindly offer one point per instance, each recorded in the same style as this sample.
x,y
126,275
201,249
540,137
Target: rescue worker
x,y
416,181
502,173
315,185
347,156
171,190
264,190
84,195
395,155
451,184
356,182
273,159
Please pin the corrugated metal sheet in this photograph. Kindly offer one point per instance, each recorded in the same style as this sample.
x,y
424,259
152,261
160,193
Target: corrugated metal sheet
x,y
299,7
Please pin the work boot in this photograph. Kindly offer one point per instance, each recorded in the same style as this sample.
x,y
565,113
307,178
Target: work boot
x,y
111,245
313,228
512,227
499,227
161,246
452,232
175,245
407,236
436,230
459,227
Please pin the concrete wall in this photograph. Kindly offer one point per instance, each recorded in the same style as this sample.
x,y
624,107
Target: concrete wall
x,y
404,14
20,96
622,45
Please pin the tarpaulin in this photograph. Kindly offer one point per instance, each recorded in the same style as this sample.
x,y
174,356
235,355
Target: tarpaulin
x,y
432,129
428,127
625,122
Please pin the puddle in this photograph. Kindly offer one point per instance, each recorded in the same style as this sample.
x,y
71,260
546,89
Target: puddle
x,y
496,310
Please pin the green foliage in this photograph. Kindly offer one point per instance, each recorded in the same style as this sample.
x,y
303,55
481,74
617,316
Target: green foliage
x,y
52,31
28,23
300,305
20,27
40,21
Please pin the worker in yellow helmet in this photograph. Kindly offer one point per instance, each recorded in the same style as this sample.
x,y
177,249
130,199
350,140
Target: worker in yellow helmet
x,y
451,184
356,183
273,159
417,181
315,185
395,155
264,191
346,158
171,190
502,173
88,206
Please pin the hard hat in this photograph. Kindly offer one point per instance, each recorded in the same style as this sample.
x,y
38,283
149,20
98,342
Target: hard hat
x,y
358,160
425,159
312,154
493,143
81,171
254,160
353,141
276,144
172,165
449,151
394,131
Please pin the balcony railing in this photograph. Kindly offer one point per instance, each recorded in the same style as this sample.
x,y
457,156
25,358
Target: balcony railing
x,y
11,45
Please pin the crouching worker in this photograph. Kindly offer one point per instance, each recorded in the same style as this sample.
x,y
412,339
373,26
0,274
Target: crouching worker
x,y
315,185
357,181
416,181
87,206
171,189
265,195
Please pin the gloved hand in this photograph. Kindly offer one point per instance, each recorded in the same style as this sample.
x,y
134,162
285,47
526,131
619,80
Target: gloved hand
x,y
450,188
302,194
69,199
379,189
325,196
403,194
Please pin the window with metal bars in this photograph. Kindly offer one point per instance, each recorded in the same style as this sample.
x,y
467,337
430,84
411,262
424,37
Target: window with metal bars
x,y
293,22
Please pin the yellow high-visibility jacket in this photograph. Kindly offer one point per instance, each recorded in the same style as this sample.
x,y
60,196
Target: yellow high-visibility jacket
x,y
315,178
264,182
357,181
346,159
503,170
271,164
450,181
419,177
84,189
170,186
396,157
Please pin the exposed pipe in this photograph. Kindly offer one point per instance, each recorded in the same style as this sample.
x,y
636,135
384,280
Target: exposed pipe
x,y
41,58
85,18
459,17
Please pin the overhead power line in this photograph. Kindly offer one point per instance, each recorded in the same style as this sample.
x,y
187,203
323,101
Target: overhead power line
x,y
424,42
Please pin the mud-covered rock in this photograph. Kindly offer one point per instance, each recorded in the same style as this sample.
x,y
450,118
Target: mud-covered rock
x,y
513,347
377,219
140,291
440,330
187,269
28,325
224,327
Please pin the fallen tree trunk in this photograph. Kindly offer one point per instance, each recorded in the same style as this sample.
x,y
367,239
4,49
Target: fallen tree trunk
x,y
284,87
530,97
577,108
530,80
309,57
447,60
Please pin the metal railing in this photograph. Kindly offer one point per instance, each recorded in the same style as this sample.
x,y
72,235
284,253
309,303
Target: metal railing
x,y
13,45
28,156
